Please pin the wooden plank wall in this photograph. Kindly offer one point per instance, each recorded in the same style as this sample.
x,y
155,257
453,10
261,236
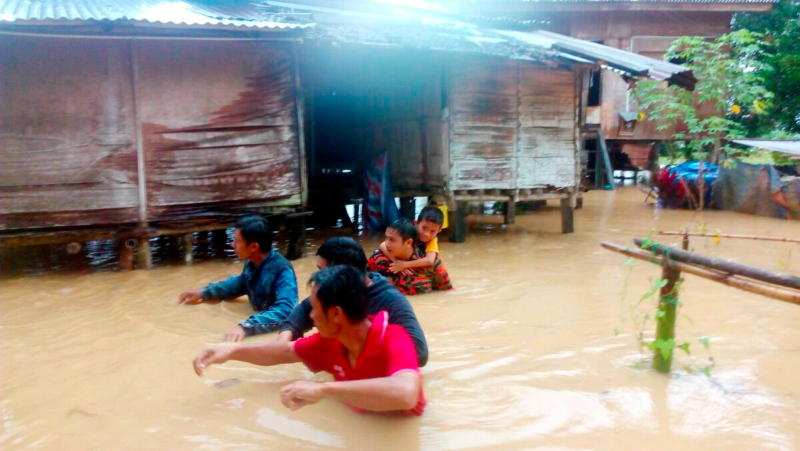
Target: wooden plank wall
x,y
219,124
512,126
547,128
67,153
217,120
483,123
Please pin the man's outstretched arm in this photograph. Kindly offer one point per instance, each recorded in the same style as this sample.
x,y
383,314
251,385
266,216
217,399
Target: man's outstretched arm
x,y
399,391
266,354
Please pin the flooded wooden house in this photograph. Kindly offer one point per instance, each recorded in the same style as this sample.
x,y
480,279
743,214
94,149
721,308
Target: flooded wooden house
x,y
161,117
141,118
466,114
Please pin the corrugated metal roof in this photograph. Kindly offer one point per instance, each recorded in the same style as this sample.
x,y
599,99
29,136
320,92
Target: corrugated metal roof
x,y
178,12
622,60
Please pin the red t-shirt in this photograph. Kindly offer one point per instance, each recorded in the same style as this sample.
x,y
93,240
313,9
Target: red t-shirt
x,y
388,350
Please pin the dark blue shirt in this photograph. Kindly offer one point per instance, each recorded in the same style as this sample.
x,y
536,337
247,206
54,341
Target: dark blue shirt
x,y
270,286
381,295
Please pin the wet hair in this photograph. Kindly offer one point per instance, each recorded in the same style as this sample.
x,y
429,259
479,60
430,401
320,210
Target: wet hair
x,y
432,214
343,250
343,286
405,228
255,229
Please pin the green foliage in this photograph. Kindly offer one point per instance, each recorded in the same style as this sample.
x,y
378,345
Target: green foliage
x,y
781,30
727,102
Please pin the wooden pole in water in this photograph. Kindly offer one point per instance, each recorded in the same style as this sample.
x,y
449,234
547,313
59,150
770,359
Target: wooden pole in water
x,y
127,248
188,245
730,235
144,256
667,308
458,223
509,212
785,280
567,214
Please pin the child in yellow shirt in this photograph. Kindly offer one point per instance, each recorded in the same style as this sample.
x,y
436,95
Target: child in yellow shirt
x,y
428,224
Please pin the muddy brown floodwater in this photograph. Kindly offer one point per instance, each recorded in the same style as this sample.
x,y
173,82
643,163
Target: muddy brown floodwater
x,y
537,346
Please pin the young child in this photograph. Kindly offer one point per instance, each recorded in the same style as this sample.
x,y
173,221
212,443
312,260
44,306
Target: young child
x,y
403,246
428,224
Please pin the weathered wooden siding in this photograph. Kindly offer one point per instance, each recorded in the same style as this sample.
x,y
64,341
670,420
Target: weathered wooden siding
x,y
219,123
67,154
547,128
512,126
483,124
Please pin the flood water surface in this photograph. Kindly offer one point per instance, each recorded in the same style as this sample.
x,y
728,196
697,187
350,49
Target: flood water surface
x,y
536,347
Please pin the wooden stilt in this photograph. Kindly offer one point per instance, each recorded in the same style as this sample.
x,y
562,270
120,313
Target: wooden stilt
x,y
127,249
407,207
188,248
356,217
458,223
567,215
297,232
510,212
665,327
144,257
579,202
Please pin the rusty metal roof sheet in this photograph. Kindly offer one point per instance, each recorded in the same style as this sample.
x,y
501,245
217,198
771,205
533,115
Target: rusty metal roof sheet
x,y
621,60
176,12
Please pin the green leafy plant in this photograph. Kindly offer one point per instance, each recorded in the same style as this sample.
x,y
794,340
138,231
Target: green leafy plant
x,y
730,93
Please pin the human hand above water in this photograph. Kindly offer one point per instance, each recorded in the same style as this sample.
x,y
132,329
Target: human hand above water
x,y
235,334
301,393
190,297
398,267
209,356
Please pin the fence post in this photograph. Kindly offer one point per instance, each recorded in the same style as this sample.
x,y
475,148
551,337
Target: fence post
x,y
667,306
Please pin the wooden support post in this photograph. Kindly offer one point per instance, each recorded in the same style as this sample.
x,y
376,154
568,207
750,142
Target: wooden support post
x,y
127,249
667,308
356,217
567,215
188,245
297,232
510,211
407,207
685,241
144,257
458,223
579,202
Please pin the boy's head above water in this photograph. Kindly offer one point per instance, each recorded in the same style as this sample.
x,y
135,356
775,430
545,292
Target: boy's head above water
x,y
429,223
400,236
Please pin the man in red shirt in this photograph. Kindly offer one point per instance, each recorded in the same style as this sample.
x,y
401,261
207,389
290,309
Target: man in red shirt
x,y
374,363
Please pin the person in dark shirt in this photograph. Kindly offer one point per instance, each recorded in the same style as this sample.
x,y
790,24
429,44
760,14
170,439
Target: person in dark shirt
x,y
381,295
267,278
